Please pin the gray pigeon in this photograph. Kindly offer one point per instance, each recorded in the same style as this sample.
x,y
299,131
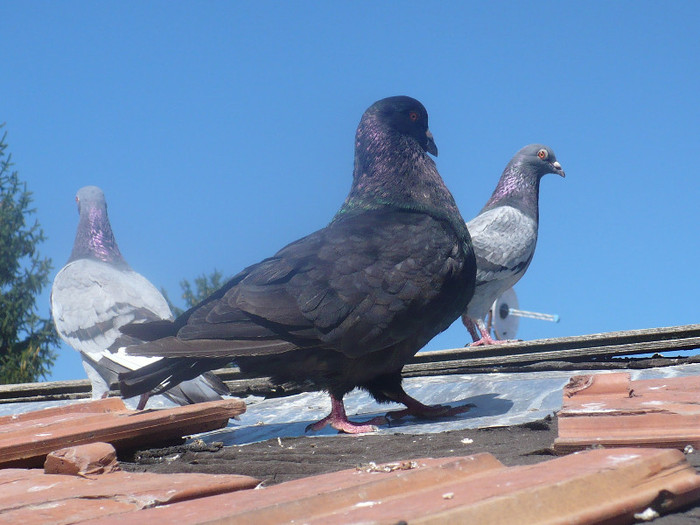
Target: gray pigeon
x,y
97,292
347,305
504,234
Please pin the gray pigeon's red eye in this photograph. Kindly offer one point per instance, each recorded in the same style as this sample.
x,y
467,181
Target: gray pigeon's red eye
x,y
413,116
543,154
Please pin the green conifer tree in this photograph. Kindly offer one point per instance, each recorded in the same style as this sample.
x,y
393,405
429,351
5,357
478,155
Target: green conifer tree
x,y
26,339
204,285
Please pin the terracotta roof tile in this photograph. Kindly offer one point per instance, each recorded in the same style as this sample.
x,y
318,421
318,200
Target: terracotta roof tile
x,y
83,460
611,410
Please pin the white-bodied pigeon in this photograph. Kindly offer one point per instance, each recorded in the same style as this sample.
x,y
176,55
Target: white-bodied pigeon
x,y
97,292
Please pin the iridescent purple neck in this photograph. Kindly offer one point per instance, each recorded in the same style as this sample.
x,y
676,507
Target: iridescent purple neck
x,y
95,240
393,170
518,187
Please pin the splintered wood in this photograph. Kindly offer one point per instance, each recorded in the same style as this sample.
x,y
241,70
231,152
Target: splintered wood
x,y
26,439
612,411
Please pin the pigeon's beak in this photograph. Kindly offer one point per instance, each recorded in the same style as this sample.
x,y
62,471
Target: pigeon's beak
x,y
558,169
430,147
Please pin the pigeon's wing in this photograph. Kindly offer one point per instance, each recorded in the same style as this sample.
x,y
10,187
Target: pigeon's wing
x,y
356,286
91,300
504,242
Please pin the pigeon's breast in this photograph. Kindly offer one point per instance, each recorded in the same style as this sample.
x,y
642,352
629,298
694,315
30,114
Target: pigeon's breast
x,y
504,240
91,299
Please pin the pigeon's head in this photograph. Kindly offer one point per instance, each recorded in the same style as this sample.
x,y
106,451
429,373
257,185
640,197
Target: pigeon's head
x,y
89,197
392,166
405,115
540,160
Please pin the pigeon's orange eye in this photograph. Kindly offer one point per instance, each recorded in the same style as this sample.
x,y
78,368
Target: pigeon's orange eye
x,y
543,154
413,116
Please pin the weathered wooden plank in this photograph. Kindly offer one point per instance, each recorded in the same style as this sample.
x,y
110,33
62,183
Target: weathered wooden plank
x,y
595,486
610,343
541,354
48,390
496,366
110,404
32,497
465,364
612,411
25,442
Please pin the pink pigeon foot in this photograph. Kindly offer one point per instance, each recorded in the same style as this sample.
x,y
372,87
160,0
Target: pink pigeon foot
x,y
488,340
485,338
338,419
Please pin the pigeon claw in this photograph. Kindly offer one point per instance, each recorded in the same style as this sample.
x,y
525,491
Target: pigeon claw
x,y
338,420
347,426
430,411
486,341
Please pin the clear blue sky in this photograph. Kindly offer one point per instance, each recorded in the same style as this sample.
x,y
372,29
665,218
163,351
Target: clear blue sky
x,y
221,131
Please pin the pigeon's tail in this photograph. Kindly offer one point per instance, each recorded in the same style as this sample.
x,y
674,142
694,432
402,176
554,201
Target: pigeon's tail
x,y
150,331
206,387
168,374
102,373
100,376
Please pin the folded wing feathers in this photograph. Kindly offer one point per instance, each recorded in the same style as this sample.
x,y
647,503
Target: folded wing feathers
x,y
319,292
504,242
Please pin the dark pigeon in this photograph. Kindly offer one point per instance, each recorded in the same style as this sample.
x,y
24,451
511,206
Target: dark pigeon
x,y
348,305
96,292
504,233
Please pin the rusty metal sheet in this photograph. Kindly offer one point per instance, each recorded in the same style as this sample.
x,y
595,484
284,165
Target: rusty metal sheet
x,y
611,410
